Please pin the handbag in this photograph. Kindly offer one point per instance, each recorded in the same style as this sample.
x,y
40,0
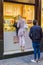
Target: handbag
x,y
16,39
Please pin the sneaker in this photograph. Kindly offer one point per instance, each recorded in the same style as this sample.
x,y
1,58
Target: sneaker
x,y
38,60
33,61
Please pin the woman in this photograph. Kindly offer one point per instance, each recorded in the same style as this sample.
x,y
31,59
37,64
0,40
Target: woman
x,y
21,32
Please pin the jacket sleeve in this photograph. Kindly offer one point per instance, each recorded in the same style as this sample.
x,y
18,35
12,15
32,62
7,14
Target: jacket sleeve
x,y
30,33
18,24
41,34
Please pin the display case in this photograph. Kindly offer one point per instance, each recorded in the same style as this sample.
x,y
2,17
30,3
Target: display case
x,y
11,11
9,14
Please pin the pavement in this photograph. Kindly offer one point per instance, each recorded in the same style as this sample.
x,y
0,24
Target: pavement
x,y
23,60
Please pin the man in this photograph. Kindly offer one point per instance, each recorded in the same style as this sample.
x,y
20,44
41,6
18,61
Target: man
x,y
36,35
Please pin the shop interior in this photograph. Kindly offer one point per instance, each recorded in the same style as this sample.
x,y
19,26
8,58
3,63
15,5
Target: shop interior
x,y
11,11
42,14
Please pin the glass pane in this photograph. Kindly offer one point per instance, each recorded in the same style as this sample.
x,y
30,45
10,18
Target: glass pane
x,y
11,11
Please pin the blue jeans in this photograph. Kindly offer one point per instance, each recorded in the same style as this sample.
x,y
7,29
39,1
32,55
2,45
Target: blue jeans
x,y
36,47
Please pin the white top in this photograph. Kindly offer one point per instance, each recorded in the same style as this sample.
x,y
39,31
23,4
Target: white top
x,y
21,23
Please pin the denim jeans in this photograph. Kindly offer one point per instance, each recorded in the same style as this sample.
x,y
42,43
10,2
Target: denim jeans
x,y
36,47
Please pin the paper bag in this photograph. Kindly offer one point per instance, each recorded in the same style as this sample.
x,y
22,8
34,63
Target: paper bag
x,y
16,39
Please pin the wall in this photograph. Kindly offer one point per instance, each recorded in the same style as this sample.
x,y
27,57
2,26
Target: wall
x,y
1,28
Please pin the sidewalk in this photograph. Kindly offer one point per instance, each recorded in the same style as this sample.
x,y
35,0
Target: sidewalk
x,y
23,60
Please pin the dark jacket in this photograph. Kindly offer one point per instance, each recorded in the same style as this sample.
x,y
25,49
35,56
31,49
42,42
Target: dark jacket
x,y
35,33
15,25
